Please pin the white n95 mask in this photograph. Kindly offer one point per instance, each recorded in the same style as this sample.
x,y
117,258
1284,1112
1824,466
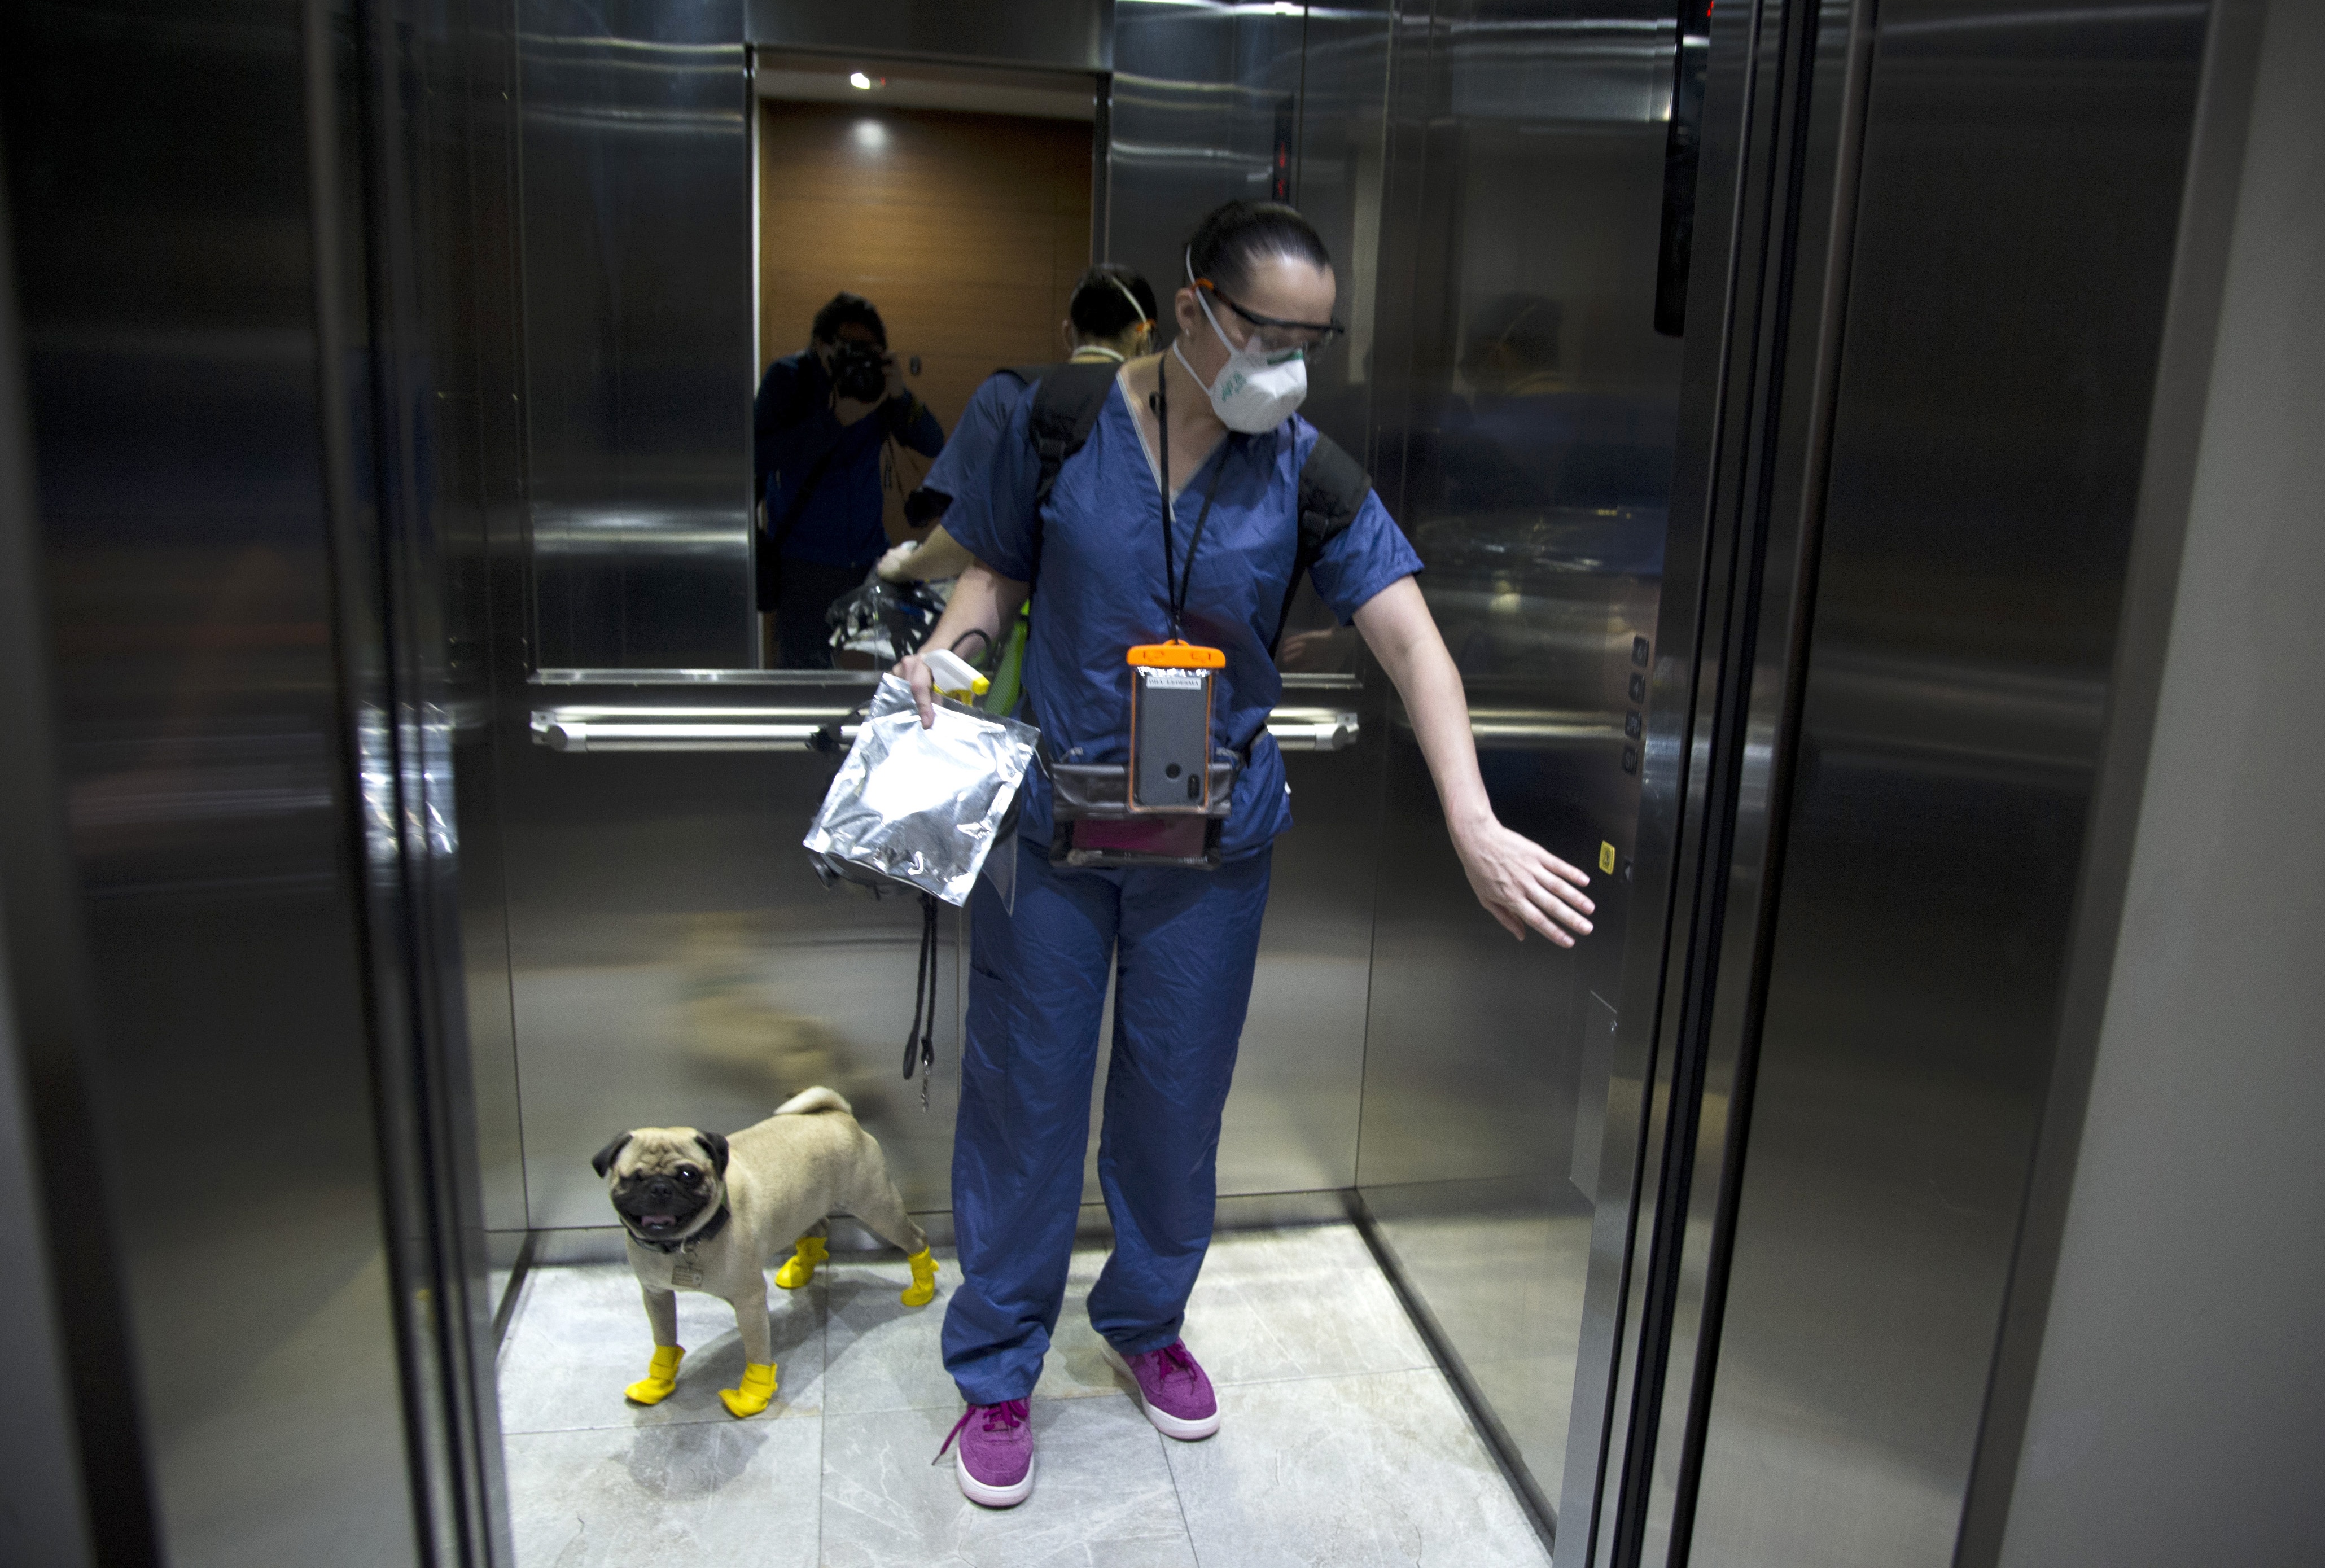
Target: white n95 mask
x,y
1254,390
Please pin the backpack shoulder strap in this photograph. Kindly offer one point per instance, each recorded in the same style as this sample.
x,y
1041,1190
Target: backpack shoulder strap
x,y
1066,404
1067,399
1332,489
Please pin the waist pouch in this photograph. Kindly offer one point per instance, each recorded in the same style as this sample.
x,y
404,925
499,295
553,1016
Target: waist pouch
x,y
1095,827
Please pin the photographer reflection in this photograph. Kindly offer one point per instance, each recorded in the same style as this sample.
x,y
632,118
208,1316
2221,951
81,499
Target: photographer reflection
x,y
819,425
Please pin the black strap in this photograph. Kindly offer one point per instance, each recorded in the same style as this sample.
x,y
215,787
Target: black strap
x,y
717,1223
920,1039
1176,593
1066,406
778,533
783,531
1332,489
810,385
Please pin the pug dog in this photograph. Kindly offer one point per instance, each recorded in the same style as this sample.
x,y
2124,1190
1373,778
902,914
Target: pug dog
x,y
710,1213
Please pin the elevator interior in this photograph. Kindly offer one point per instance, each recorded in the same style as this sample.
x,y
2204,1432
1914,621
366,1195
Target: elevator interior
x,y
1785,476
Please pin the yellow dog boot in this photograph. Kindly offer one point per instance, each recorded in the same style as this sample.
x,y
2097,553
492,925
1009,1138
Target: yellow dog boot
x,y
758,1388
661,1377
924,1279
800,1267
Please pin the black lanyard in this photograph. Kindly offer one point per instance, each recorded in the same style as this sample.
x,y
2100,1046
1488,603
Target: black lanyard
x,y
1176,593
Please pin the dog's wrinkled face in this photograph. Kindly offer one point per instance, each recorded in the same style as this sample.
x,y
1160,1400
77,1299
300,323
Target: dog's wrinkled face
x,y
665,1181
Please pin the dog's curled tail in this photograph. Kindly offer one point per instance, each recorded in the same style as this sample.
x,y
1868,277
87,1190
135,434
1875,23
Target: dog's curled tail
x,y
808,1101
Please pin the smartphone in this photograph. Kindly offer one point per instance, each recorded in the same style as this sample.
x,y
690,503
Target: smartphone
x,y
1171,686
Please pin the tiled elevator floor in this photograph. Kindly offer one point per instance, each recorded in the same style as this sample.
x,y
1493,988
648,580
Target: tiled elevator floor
x,y
1342,1443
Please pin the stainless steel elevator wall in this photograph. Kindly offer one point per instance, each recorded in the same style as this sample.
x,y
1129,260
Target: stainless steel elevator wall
x,y
673,959
1068,35
2013,249
677,963
1203,95
1523,421
638,335
196,371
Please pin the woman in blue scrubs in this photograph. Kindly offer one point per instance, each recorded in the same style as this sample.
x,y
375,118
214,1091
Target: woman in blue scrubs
x,y
1216,412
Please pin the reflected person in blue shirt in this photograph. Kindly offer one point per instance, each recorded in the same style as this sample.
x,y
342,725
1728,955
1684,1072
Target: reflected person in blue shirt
x,y
819,428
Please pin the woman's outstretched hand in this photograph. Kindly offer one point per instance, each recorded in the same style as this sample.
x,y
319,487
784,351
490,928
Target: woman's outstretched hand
x,y
1520,884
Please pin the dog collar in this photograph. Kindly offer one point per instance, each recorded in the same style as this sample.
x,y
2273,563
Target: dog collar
x,y
717,1223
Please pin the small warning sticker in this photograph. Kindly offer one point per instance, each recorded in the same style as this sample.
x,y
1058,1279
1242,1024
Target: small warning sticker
x,y
1607,858
1175,680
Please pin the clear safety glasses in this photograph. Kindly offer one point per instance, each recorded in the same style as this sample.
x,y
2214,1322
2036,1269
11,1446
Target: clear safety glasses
x,y
1273,336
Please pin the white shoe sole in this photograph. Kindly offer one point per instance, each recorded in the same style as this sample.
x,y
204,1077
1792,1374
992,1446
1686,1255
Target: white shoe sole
x,y
1168,1424
992,1497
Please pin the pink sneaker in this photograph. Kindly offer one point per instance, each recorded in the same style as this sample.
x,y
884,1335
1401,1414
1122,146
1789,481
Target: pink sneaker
x,y
995,1456
1174,1390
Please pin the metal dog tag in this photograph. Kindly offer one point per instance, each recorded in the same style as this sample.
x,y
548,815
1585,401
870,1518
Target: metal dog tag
x,y
687,1273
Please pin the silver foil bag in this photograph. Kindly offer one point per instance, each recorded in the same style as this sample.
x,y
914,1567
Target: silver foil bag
x,y
922,807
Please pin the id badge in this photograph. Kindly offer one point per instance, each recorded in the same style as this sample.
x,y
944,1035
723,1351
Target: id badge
x,y
1171,726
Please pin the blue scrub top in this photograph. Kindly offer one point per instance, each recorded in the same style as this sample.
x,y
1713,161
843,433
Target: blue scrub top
x,y
1101,588
959,467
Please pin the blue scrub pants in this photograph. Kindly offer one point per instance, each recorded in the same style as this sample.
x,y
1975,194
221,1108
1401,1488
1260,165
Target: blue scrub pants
x,y
1183,943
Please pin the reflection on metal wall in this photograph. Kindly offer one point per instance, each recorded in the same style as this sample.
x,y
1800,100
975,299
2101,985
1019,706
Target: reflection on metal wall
x,y
2019,198
196,387
1524,414
1215,103
1052,34
635,154
676,962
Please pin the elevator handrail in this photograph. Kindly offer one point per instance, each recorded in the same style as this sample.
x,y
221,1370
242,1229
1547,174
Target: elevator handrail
x,y
609,729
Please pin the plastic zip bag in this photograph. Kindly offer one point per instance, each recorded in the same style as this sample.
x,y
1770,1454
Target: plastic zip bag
x,y
924,808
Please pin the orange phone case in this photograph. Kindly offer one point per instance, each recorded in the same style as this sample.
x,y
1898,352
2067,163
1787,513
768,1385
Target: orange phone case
x,y
1173,655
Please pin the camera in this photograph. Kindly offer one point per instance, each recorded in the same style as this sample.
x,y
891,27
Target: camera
x,y
857,371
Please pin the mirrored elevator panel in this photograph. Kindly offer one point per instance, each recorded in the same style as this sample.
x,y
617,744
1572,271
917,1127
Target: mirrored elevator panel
x,y
1526,416
634,143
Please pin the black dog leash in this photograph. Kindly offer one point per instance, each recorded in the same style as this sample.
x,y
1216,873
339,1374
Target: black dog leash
x,y
920,1039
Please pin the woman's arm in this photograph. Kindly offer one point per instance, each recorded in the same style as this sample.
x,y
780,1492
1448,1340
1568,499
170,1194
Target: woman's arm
x,y
937,555
1518,881
982,601
918,428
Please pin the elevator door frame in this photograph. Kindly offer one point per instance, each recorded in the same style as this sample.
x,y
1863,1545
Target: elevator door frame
x,y
1782,111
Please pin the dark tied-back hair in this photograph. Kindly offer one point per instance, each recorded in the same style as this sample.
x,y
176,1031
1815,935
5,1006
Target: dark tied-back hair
x,y
1234,239
1099,309
848,309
